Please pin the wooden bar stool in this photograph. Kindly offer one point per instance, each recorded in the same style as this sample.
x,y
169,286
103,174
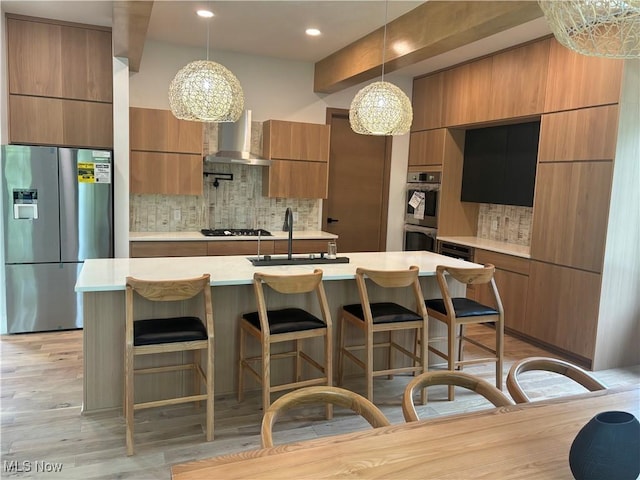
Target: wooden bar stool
x,y
458,312
164,335
272,326
387,317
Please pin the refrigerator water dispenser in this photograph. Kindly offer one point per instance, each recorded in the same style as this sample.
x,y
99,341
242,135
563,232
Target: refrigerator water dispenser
x,y
25,204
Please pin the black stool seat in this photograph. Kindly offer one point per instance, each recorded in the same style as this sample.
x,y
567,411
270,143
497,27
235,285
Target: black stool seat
x,y
286,320
384,312
168,330
464,307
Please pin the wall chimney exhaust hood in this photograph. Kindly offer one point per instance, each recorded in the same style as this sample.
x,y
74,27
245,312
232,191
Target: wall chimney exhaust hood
x,y
234,144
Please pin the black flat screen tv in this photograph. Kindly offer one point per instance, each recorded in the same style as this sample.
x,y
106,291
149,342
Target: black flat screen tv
x,y
500,164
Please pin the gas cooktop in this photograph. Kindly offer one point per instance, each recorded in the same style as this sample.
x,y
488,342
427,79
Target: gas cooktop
x,y
235,232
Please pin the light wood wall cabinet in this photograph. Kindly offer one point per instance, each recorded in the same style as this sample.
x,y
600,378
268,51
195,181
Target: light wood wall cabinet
x,y
466,98
154,130
60,83
426,148
578,81
166,153
512,280
427,102
579,135
300,159
518,81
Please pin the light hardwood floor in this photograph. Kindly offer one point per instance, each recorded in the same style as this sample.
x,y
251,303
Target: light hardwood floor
x,y
41,395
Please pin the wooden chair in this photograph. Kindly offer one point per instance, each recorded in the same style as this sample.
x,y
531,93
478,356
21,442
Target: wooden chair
x,y
319,395
285,325
555,365
389,317
165,335
453,379
458,312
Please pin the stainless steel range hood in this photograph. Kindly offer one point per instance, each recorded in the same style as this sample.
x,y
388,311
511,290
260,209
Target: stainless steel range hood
x,y
234,144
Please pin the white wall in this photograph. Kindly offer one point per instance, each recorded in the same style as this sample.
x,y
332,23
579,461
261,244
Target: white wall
x,y
121,156
273,89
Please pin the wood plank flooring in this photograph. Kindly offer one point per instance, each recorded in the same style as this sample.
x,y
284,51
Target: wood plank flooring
x,y
41,395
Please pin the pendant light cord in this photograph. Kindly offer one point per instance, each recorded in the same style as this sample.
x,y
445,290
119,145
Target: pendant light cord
x,y
384,37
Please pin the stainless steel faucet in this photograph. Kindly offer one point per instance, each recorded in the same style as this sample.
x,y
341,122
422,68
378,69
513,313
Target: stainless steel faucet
x,y
288,226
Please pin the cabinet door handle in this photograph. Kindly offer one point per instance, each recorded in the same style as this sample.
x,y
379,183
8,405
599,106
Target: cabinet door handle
x,y
331,220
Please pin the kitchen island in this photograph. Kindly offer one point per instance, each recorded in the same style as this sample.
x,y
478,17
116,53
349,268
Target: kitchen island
x,y
102,283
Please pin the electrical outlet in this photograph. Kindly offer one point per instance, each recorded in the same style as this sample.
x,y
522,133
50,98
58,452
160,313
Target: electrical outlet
x,y
176,214
295,216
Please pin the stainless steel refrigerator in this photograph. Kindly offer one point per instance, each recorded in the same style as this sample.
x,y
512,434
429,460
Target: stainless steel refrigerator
x,y
57,212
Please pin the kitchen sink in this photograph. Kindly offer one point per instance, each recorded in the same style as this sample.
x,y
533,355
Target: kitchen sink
x,y
271,260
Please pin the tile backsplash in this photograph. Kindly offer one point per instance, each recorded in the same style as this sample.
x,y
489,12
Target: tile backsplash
x,y
236,203
505,223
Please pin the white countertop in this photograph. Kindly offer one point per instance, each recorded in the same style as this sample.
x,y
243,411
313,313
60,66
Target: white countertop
x,y
197,236
109,274
491,245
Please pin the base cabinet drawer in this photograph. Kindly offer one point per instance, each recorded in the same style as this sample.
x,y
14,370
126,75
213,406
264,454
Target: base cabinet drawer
x,y
302,246
167,249
244,247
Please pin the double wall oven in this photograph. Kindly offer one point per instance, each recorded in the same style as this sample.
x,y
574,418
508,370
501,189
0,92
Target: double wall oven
x,y
421,210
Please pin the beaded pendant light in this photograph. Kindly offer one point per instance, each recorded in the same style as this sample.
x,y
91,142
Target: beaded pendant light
x,y
206,91
603,28
381,108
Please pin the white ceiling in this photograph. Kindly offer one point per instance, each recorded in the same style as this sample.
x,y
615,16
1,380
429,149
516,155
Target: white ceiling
x,y
272,28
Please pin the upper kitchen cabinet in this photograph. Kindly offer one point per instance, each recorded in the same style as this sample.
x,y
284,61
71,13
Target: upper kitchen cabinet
x,y
426,149
153,130
427,102
466,93
60,83
579,135
166,153
518,81
300,159
577,81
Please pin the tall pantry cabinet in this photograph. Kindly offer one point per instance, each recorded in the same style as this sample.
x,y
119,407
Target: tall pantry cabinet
x,y
60,83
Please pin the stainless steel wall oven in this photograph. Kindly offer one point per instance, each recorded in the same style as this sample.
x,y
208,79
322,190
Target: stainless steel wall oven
x,y
422,199
421,211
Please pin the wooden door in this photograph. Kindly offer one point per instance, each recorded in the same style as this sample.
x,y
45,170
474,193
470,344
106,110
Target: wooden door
x,y
358,187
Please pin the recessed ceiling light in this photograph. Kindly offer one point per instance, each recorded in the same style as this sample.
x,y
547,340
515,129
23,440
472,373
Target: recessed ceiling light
x,y
205,13
314,32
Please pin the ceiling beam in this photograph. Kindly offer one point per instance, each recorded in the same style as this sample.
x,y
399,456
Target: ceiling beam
x,y
130,23
432,28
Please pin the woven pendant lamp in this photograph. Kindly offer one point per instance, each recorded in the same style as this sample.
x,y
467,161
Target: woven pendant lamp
x,y
602,28
206,91
381,108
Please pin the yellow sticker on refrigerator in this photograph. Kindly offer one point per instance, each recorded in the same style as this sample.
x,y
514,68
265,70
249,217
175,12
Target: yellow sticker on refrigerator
x,y
97,172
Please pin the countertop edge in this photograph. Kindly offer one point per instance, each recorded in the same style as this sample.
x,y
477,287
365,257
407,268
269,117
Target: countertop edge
x,y
490,245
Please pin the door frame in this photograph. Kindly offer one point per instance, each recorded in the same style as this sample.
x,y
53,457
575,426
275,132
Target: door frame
x,y
382,241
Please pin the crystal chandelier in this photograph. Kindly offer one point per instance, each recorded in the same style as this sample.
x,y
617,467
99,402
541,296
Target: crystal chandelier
x,y
206,91
381,108
603,28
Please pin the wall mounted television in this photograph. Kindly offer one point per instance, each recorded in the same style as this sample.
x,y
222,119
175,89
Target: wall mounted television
x,y
500,164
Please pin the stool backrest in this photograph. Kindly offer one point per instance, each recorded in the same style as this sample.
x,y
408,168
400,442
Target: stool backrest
x,y
468,276
319,395
458,379
390,279
290,284
547,364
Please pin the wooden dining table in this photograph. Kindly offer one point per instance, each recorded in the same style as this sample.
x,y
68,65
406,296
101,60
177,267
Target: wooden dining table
x,y
527,441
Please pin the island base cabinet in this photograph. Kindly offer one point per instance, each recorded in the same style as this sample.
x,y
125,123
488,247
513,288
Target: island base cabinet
x,y
562,308
103,338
